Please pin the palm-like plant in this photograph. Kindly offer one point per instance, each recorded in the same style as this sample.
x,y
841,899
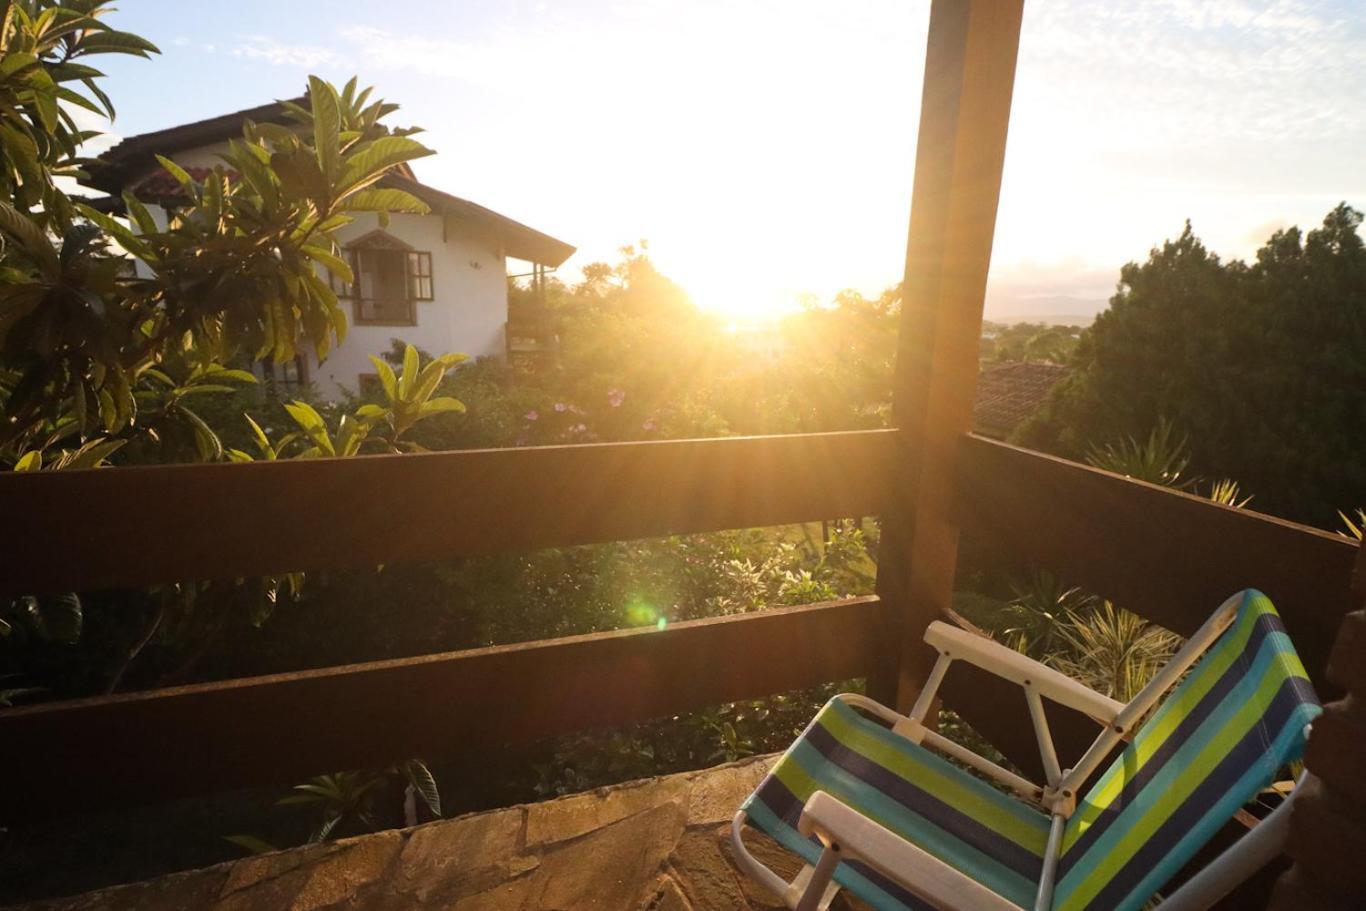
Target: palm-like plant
x,y
1042,605
1354,528
1159,459
347,799
1113,650
1228,493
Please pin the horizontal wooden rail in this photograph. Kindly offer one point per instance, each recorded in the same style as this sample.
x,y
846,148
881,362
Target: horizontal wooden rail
x,y
1168,556
269,730
126,527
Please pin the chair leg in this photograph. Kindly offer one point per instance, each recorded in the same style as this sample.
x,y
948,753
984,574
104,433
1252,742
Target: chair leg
x,y
814,896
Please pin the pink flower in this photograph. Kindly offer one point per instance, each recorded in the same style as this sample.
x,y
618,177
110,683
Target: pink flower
x,y
532,415
561,407
649,425
616,397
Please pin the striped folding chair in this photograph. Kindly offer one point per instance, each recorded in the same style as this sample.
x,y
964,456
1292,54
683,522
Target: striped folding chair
x,y
867,797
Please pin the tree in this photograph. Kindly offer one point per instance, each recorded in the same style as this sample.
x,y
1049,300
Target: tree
x,y
1262,366
235,274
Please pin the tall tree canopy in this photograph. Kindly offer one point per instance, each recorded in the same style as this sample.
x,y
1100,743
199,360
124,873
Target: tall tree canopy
x,y
1262,365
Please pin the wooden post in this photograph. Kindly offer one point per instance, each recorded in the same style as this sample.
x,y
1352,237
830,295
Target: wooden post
x,y
965,107
1328,824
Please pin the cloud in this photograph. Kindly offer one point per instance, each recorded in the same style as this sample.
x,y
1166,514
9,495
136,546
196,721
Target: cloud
x,y
268,50
782,132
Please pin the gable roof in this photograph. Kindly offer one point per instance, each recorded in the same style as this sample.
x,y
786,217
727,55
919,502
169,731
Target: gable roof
x,y
135,155
132,164
1008,394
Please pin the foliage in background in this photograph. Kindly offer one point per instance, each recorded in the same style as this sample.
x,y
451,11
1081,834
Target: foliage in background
x,y
1354,528
1263,364
1031,342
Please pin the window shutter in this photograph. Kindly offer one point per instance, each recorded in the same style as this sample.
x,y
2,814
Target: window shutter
x,y
420,276
339,287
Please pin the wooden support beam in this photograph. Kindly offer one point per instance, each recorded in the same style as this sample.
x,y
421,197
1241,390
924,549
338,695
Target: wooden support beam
x,y
132,527
1328,825
964,112
146,747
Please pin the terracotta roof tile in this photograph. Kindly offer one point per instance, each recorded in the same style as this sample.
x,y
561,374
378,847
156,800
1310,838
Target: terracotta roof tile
x,y
161,185
1007,394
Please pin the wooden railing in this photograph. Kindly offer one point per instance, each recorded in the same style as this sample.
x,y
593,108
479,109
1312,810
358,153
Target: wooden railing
x,y
141,526
1166,555
138,526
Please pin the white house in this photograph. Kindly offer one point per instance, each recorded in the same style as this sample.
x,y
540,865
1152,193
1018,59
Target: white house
x,y
438,281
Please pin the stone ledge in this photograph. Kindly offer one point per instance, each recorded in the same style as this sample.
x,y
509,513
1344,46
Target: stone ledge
x,y
661,844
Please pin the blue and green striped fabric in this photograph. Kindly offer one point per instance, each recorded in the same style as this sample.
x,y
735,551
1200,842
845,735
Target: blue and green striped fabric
x,y
983,832
1217,739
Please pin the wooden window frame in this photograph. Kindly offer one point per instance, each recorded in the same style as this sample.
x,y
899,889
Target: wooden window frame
x,y
419,285
366,381
273,373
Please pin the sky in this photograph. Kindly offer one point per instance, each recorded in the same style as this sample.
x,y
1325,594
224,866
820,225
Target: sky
x,y
765,148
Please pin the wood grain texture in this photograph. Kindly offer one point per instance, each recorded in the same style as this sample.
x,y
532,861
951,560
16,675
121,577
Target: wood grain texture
x,y
1168,556
146,747
964,113
128,527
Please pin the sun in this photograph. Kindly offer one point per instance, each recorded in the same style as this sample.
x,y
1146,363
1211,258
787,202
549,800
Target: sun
x,y
739,295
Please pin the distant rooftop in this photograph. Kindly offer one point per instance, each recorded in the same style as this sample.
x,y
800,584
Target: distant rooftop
x,y
1007,394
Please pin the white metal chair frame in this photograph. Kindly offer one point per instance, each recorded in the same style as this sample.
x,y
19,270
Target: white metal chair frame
x,y
848,835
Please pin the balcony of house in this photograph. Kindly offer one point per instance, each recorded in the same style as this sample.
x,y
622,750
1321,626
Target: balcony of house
x,y
934,488
658,844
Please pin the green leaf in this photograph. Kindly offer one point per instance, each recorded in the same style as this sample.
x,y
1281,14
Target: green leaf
x,y
409,375
386,378
200,388
93,453
441,404
219,372
30,461
139,214
111,42
420,777
206,440
12,63
371,412
371,161
312,424
181,176
33,238
125,237
326,126
335,264
385,199
261,439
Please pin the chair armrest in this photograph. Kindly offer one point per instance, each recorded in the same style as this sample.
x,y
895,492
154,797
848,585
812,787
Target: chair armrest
x,y
860,838
1011,665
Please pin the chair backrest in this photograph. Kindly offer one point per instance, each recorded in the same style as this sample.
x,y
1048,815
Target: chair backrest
x,y
1219,738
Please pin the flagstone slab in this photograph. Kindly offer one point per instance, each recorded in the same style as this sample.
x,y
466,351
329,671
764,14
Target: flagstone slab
x,y
661,844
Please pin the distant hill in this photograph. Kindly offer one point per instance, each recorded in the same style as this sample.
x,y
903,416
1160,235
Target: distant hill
x,y
1047,319
1004,305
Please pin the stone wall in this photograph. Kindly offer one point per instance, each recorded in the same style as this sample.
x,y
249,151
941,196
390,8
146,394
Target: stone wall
x,y
655,845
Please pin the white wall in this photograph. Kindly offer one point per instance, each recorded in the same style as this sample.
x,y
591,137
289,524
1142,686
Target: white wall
x,y
469,286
